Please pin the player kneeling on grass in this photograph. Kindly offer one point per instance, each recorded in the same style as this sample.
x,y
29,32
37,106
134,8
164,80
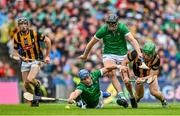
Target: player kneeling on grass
x,y
152,60
88,90
27,46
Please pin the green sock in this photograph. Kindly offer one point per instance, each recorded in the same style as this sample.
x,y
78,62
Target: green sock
x,y
121,94
35,82
29,87
131,96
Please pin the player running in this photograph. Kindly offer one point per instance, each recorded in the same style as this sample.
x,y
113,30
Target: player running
x,y
27,46
114,35
89,90
152,60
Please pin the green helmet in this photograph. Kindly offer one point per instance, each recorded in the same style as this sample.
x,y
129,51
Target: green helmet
x,y
149,48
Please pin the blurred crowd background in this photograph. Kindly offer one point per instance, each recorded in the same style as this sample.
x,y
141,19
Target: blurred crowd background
x,y
70,24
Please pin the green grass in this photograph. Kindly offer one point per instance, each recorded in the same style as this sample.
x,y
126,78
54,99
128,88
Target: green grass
x,y
113,109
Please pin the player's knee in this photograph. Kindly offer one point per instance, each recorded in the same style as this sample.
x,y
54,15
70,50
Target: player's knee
x,y
124,70
154,93
29,79
111,74
35,66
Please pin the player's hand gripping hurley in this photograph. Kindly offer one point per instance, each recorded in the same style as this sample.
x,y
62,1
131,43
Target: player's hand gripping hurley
x,y
143,80
18,58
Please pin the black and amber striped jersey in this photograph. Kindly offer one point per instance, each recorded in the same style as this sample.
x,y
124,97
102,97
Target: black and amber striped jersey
x,y
29,45
153,64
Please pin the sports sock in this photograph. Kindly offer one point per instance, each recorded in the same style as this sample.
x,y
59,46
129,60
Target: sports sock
x,y
162,101
29,87
121,95
131,96
35,82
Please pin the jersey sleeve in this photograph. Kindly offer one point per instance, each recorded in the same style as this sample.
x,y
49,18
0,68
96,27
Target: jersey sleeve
x,y
15,43
156,65
40,36
101,32
132,55
124,29
96,75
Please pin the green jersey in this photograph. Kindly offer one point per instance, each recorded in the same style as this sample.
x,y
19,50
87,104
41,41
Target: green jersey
x,y
91,94
114,41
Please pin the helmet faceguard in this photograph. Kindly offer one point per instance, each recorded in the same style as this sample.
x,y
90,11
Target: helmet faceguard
x,y
23,25
112,21
22,20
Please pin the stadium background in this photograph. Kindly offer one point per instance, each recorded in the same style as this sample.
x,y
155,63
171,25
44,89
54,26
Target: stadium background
x,y
71,24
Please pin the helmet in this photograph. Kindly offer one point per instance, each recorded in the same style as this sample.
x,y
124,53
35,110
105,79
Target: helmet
x,y
83,73
112,18
149,48
21,20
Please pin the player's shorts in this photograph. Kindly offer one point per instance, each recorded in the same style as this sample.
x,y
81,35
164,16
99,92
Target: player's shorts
x,y
82,104
115,58
101,102
26,66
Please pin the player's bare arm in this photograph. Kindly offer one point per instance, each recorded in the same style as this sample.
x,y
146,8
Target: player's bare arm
x,y
48,48
153,73
74,95
88,48
17,56
134,43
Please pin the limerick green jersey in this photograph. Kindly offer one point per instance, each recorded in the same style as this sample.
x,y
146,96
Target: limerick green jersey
x,y
114,41
91,94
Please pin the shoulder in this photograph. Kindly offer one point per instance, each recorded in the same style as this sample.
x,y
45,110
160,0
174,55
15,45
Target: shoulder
x,y
103,28
156,59
121,25
132,55
80,86
101,32
95,72
16,35
156,62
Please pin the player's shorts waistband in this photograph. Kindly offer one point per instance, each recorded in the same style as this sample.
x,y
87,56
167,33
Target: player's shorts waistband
x,y
26,66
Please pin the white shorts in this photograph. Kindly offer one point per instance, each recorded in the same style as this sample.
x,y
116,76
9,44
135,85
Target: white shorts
x,y
115,58
101,102
26,66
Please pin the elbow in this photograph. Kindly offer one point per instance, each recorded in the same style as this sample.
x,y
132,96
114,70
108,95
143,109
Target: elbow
x,y
48,42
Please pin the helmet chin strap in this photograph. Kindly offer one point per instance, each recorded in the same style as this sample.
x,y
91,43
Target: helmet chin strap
x,y
114,28
24,32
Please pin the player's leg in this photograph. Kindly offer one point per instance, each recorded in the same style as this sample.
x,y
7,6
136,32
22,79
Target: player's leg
x,y
121,100
125,77
27,86
154,90
112,74
101,102
80,102
35,68
139,92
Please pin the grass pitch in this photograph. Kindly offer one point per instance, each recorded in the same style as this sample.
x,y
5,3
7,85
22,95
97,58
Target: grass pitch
x,y
112,109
